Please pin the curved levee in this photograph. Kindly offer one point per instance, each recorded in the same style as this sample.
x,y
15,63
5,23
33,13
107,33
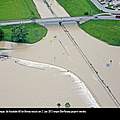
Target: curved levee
x,y
90,101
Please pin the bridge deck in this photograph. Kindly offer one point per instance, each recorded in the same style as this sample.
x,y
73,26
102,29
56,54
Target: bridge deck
x,y
56,20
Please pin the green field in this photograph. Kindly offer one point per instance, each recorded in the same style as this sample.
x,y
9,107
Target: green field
x,y
105,30
35,33
17,9
78,7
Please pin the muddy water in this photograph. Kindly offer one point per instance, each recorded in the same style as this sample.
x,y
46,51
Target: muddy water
x,y
58,49
13,46
99,53
22,86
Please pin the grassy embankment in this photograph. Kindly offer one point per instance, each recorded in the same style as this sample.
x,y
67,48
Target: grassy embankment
x,y
105,30
17,9
79,7
35,33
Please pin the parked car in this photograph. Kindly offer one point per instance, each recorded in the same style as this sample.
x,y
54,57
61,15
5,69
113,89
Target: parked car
x,y
96,16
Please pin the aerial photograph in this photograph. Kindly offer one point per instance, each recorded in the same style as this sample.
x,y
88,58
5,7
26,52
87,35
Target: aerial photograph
x,y
59,53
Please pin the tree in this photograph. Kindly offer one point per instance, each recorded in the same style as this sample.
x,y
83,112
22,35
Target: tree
x,y
1,34
59,105
67,105
86,13
19,34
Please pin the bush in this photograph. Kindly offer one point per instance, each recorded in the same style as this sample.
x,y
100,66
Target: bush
x,y
86,13
1,34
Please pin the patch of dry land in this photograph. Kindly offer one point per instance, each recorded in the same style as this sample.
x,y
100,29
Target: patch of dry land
x,y
25,84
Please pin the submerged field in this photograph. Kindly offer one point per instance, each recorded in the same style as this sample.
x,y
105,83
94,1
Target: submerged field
x,y
105,30
35,33
79,7
17,9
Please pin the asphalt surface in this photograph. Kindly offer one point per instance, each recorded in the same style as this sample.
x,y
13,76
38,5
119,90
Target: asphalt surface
x,y
57,20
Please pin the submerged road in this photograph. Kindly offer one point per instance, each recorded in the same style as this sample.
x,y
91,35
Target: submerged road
x,y
86,59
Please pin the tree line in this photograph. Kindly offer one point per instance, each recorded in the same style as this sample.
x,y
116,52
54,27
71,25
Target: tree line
x,y
18,34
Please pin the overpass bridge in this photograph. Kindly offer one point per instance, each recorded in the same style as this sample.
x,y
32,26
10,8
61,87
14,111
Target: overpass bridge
x,y
58,20
45,21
